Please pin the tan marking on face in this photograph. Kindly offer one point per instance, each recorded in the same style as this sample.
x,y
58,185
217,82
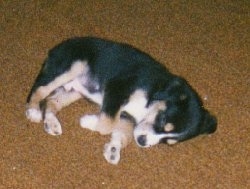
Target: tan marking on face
x,y
168,127
42,92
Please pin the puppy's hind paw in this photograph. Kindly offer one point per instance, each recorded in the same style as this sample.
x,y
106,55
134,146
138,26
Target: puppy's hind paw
x,y
51,124
89,122
34,115
112,153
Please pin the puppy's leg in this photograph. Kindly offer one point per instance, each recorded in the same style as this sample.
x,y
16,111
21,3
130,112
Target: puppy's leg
x,y
48,81
114,97
33,112
121,129
111,121
55,103
102,123
121,136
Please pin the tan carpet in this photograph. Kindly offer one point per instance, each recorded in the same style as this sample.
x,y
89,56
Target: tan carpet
x,y
207,42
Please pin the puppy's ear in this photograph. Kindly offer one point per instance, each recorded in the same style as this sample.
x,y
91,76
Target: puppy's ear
x,y
174,91
160,95
209,124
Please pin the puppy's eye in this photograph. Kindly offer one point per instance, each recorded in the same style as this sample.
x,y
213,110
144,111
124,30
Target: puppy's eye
x,y
163,119
160,121
163,122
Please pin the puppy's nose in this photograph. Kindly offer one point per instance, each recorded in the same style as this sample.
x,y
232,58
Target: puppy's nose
x,y
142,140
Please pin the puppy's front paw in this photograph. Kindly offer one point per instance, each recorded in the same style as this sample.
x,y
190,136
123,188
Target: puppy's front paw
x,y
51,124
89,122
112,153
34,115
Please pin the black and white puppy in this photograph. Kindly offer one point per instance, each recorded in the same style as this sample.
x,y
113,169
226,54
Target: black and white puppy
x,y
138,96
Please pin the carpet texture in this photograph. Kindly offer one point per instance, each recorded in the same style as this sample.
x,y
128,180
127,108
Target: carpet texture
x,y
207,42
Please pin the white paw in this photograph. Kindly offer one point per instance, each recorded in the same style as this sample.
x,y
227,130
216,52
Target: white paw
x,y
34,115
89,122
112,153
51,124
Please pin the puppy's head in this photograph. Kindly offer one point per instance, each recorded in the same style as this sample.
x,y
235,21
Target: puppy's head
x,y
183,117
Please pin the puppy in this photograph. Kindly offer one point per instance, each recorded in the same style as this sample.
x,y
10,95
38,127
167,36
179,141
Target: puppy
x,y
138,97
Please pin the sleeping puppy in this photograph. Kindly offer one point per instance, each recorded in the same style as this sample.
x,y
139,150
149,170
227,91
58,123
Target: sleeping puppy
x,y
138,97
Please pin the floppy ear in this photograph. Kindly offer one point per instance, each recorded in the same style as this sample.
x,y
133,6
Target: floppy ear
x,y
160,95
173,91
209,124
